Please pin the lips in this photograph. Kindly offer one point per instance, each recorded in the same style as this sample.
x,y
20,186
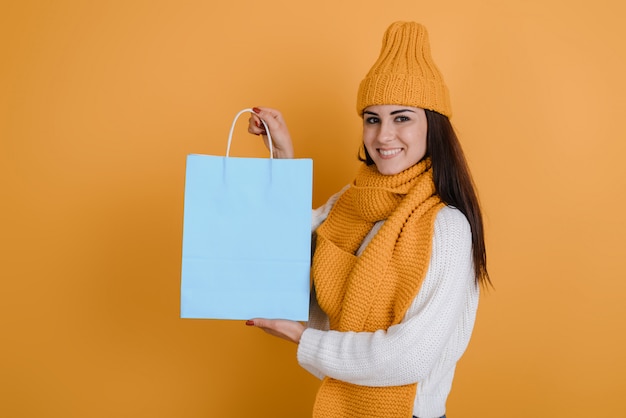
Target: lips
x,y
389,153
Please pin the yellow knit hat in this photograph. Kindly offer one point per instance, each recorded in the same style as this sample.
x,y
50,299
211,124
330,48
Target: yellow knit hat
x,y
405,73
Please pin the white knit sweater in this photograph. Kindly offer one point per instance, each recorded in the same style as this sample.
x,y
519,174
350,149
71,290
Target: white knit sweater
x,y
426,345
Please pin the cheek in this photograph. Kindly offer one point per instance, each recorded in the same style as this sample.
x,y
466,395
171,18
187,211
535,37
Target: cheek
x,y
422,148
419,146
367,139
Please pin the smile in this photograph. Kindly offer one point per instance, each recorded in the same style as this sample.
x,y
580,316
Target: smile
x,y
389,152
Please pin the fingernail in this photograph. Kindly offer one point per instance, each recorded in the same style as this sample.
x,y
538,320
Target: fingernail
x,y
250,323
258,124
256,110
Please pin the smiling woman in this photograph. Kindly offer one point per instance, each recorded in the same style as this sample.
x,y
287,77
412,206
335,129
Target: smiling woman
x,y
399,253
394,136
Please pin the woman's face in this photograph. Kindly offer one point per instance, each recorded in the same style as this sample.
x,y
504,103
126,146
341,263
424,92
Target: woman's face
x,y
394,136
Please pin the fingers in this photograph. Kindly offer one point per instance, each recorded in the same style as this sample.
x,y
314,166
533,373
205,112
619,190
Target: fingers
x,y
272,117
255,126
281,140
269,326
282,328
266,324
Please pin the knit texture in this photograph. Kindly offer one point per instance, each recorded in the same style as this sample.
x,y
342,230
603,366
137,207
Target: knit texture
x,y
405,73
433,335
374,290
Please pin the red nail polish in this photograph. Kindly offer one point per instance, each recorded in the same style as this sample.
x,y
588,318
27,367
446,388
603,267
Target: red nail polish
x,y
258,124
249,322
256,109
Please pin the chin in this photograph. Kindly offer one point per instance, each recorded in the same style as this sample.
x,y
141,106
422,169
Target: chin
x,y
387,171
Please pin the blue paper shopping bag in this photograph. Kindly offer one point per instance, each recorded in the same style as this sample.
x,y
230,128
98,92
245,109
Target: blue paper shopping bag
x,y
246,237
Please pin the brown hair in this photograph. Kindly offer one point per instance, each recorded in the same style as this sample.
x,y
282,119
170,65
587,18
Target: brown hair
x,y
453,183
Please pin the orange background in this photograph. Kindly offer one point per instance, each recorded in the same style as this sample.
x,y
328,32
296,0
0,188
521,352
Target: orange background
x,y
100,102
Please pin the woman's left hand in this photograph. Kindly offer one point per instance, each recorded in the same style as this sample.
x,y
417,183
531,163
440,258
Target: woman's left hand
x,y
282,328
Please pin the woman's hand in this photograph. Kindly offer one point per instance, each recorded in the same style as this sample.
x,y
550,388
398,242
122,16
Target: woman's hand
x,y
281,140
282,328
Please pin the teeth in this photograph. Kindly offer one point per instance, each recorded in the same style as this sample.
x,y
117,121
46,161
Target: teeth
x,y
389,152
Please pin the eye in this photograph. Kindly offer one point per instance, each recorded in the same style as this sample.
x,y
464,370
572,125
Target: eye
x,y
402,118
371,120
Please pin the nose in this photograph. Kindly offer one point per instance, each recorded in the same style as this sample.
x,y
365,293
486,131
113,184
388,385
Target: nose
x,y
386,133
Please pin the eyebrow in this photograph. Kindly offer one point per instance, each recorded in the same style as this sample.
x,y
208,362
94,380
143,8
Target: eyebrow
x,y
395,112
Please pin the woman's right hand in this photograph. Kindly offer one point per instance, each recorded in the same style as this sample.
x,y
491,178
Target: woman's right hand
x,y
281,140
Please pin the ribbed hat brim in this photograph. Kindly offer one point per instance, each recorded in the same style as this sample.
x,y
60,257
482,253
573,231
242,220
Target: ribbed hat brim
x,y
402,89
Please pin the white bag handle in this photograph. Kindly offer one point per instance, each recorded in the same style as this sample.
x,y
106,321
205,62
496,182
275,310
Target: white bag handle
x,y
232,128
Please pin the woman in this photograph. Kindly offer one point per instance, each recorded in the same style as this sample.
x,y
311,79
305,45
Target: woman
x,y
399,253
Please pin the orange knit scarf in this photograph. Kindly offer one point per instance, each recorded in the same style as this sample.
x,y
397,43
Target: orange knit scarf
x,y
373,291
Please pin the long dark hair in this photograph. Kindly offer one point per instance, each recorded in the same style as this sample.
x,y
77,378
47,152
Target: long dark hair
x,y
453,183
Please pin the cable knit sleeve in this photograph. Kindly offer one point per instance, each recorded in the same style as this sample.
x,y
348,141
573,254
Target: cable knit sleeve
x,y
432,336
